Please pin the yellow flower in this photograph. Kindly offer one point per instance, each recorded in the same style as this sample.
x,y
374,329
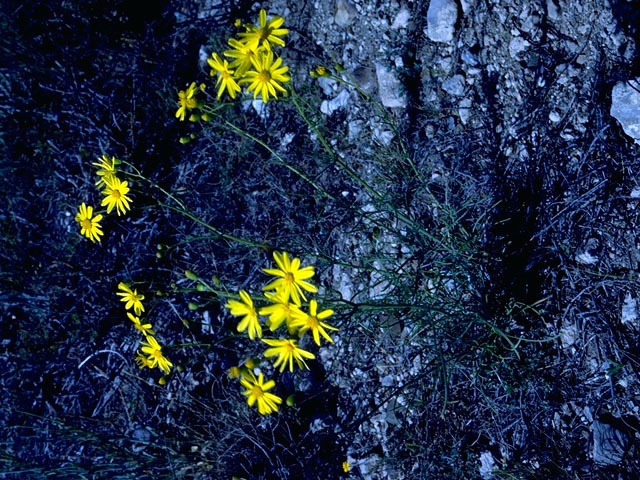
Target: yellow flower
x,y
236,372
293,277
242,54
186,101
267,33
345,466
311,321
321,70
106,169
287,351
279,312
142,361
257,391
247,309
154,355
89,225
145,328
225,76
116,195
264,80
132,298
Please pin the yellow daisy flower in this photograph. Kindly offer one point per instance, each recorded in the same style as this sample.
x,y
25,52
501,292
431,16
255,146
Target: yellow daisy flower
x,y
279,312
287,351
293,277
152,348
242,54
225,76
89,225
186,101
116,195
267,33
257,391
264,80
311,321
106,169
145,328
247,310
132,298
142,361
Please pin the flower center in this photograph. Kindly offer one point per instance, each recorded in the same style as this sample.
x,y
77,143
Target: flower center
x,y
312,322
264,77
264,33
256,391
224,74
157,354
116,194
86,224
288,278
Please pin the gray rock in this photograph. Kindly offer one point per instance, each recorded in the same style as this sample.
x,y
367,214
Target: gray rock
x,y
345,12
517,46
625,107
552,10
554,116
487,465
464,110
441,20
609,443
389,88
469,58
401,20
454,85
329,106
629,310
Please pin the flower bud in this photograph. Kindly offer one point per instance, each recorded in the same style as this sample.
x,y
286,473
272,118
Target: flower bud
x,y
190,275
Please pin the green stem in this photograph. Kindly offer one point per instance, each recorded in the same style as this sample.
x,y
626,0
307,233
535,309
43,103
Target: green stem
x,y
226,236
139,176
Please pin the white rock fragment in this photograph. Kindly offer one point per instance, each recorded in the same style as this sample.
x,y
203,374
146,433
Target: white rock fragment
x,y
287,139
625,107
517,45
487,465
454,85
464,110
345,12
635,193
554,116
569,335
329,106
401,20
387,381
389,88
629,310
586,258
441,20
552,10
327,84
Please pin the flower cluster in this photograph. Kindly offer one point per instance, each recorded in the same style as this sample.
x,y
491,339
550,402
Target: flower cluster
x,y
285,294
115,192
252,63
151,355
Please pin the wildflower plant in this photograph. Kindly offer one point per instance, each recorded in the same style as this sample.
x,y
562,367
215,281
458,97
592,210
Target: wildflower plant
x,y
252,62
116,196
282,304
